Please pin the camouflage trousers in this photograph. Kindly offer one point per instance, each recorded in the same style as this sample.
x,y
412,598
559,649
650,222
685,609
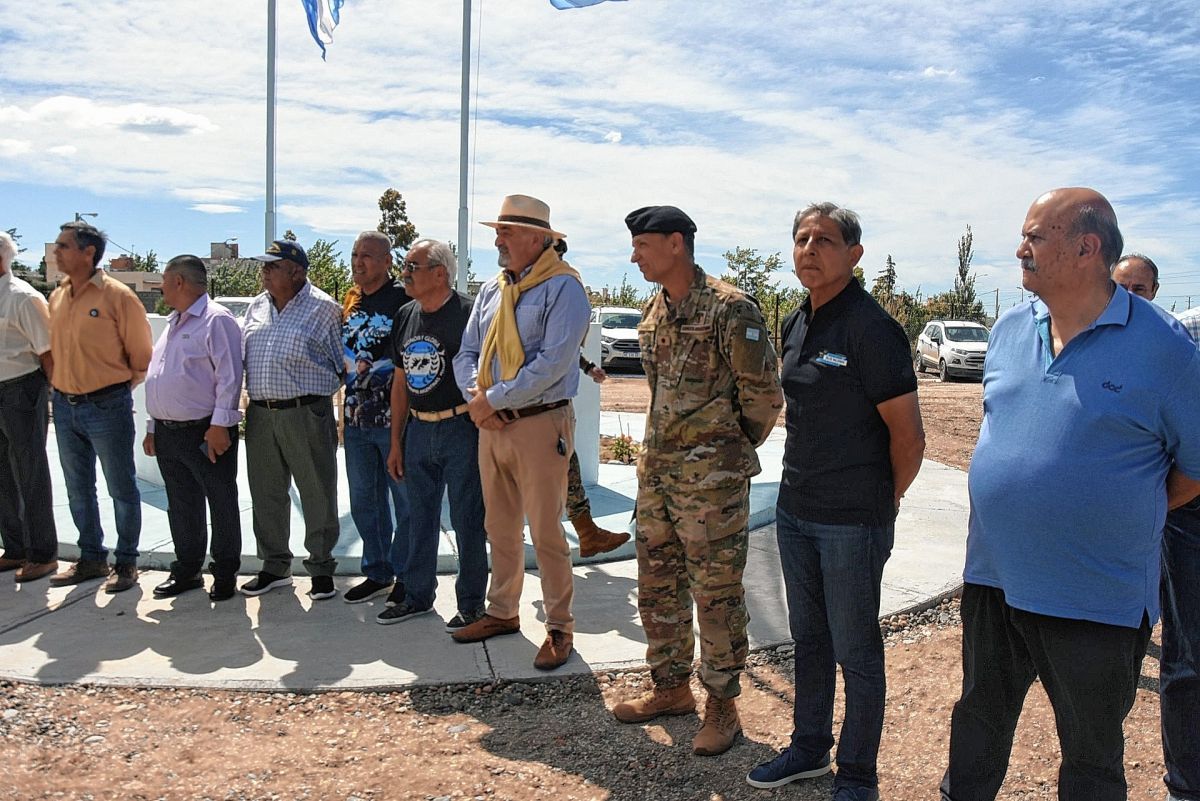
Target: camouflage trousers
x,y
577,499
692,546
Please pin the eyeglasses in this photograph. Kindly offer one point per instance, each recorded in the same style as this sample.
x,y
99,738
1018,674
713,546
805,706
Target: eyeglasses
x,y
412,266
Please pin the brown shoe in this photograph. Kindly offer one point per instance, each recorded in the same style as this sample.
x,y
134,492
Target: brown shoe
x,y
555,651
593,539
659,701
83,570
32,571
7,564
123,577
721,727
487,626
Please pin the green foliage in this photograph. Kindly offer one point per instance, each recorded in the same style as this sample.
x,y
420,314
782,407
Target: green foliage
x,y
289,235
161,307
326,270
145,264
234,278
751,273
885,283
393,221
17,264
625,295
963,303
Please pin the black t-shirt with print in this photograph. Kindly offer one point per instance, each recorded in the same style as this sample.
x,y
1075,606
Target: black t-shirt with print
x,y
366,347
424,345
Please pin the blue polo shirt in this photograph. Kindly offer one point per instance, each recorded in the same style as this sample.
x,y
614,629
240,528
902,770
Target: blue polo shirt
x,y
1068,482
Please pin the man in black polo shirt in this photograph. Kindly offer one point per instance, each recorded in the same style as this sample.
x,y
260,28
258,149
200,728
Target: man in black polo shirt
x,y
434,444
854,444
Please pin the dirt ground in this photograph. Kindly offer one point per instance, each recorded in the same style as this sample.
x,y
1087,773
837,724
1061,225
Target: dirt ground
x,y
548,740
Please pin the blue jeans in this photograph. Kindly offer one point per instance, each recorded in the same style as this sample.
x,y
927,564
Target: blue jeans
x,y
440,456
104,429
384,537
832,575
1179,666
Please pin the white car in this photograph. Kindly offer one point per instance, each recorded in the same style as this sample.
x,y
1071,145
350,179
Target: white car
x,y
953,347
618,334
237,306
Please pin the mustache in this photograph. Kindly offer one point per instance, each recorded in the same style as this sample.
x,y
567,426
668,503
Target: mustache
x,y
1029,265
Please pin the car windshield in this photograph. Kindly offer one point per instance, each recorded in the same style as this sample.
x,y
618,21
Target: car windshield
x,y
236,307
620,320
967,334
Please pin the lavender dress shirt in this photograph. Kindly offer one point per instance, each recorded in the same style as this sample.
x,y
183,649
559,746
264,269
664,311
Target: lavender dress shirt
x,y
196,369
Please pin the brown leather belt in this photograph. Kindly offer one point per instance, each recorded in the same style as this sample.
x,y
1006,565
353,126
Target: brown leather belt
x,y
103,392
444,414
509,415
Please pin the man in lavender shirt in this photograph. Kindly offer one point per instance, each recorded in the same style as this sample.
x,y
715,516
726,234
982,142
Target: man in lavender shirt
x,y
192,393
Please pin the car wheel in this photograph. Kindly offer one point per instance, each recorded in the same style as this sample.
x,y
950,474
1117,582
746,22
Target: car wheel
x,y
943,373
919,363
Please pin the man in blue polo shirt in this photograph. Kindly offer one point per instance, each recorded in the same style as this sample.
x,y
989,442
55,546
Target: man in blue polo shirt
x,y
1084,389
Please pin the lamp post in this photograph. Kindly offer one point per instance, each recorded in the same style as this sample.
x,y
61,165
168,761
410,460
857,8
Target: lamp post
x,y
79,215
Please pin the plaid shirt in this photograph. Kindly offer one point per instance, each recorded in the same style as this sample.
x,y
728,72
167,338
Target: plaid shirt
x,y
296,351
1190,320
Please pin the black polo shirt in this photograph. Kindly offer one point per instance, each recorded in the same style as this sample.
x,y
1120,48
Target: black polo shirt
x,y
839,363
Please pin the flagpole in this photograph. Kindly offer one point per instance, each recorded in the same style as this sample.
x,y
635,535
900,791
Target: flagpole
x,y
463,122
270,210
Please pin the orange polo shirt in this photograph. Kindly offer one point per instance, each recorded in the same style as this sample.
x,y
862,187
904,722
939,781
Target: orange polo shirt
x,y
99,336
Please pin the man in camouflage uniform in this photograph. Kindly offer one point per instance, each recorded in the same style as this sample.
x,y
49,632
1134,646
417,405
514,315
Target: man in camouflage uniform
x,y
714,397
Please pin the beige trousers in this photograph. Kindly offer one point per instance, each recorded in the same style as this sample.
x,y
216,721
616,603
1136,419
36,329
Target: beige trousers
x,y
524,475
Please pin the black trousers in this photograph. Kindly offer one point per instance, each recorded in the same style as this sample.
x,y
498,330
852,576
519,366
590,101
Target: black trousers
x,y
26,511
1090,672
191,481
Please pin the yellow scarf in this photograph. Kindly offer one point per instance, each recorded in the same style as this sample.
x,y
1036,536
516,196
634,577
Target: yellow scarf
x,y
502,336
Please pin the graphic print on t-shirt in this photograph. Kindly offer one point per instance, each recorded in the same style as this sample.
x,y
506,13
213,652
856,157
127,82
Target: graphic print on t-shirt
x,y
368,371
424,364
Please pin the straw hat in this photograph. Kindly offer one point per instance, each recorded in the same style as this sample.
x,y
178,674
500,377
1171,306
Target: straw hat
x,y
524,211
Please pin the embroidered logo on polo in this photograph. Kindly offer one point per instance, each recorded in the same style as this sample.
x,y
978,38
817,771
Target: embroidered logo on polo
x,y
831,359
1111,387
424,364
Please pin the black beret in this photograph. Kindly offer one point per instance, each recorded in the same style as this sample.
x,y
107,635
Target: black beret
x,y
659,220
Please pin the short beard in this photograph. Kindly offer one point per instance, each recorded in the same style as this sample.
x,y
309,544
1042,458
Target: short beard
x,y
503,259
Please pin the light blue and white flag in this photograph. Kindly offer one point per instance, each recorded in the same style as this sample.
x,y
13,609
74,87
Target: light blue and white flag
x,y
563,4
323,17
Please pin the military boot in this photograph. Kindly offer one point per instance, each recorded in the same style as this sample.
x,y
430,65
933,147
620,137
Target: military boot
x,y
721,727
659,701
593,539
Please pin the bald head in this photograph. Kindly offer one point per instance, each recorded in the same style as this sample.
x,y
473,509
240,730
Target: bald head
x,y
1083,212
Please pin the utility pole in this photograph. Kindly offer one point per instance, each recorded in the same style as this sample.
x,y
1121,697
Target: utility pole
x,y
997,314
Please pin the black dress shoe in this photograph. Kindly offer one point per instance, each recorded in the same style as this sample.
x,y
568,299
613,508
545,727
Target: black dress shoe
x,y
223,588
174,585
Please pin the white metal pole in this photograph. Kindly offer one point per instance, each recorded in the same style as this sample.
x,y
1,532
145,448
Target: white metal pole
x,y
270,212
463,123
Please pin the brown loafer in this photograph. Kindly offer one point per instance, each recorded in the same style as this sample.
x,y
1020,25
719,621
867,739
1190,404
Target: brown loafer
x,y
83,570
487,626
32,571
555,651
7,564
123,577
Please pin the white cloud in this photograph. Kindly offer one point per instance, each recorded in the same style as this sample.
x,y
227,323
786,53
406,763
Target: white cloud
x,y
934,72
216,208
613,136
14,147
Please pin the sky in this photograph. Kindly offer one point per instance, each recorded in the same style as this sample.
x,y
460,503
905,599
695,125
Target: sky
x,y
924,117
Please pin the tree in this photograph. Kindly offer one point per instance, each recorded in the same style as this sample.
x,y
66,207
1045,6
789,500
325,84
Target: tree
x,y
964,304
17,265
145,264
467,267
885,283
326,270
393,221
751,273
625,295
237,278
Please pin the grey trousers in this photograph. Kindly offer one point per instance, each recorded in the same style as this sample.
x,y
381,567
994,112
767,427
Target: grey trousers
x,y
297,444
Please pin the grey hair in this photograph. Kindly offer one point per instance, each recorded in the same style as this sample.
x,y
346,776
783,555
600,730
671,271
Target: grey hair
x,y
847,221
380,237
442,255
190,268
1093,218
87,235
1144,259
8,250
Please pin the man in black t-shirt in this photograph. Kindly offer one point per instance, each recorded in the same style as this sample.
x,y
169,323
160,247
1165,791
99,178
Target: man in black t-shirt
x,y
854,444
434,444
366,342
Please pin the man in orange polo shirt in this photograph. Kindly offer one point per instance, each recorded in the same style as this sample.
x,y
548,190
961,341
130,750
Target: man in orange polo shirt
x,y
101,343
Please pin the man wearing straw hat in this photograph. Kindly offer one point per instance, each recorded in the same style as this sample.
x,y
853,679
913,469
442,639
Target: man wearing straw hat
x,y
518,365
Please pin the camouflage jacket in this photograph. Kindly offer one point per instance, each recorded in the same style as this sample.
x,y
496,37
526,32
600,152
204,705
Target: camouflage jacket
x,y
714,387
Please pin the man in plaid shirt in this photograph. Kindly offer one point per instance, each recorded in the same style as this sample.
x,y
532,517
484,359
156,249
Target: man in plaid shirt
x,y
292,334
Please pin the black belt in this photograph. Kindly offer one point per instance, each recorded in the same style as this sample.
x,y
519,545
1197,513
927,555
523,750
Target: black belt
x,y
530,411
204,421
290,403
87,397
14,381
